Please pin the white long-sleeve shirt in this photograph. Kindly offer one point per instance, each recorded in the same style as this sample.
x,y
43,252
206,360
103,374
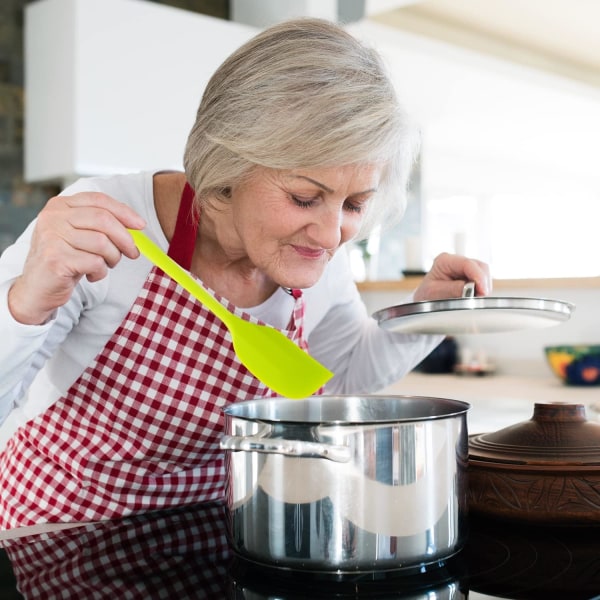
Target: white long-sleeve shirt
x,y
38,363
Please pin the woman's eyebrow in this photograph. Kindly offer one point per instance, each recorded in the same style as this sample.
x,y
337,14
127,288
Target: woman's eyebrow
x,y
328,189
315,182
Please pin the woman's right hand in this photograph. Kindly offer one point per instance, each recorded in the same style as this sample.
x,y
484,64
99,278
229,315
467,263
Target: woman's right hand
x,y
74,236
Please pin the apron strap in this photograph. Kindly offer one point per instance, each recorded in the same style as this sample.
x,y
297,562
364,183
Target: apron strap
x,y
181,248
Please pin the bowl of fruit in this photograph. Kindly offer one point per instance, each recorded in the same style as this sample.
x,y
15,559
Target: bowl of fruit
x,y
575,364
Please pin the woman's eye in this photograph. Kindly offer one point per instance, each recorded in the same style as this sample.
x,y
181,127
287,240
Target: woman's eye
x,y
303,202
353,207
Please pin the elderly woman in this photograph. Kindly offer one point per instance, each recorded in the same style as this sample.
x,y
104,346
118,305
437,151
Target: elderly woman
x,y
116,374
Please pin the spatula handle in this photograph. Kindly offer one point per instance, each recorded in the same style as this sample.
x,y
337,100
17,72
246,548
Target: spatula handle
x,y
158,257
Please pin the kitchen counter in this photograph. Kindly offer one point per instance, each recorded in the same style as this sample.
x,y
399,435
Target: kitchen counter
x,y
183,552
407,284
498,400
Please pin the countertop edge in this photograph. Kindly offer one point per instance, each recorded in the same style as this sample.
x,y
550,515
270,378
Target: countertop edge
x,y
410,283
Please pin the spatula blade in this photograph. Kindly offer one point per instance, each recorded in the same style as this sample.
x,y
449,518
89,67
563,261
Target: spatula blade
x,y
277,361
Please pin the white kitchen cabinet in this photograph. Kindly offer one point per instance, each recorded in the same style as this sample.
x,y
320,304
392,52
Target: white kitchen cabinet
x,y
113,86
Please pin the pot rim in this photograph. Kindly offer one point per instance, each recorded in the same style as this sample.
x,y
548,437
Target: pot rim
x,y
422,408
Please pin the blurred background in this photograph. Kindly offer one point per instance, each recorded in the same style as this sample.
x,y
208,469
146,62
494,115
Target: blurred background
x,y
505,93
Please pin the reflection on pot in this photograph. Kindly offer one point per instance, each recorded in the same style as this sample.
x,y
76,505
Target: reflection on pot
x,y
395,499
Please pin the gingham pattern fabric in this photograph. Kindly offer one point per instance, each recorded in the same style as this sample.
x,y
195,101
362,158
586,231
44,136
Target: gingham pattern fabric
x,y
180,554
140,429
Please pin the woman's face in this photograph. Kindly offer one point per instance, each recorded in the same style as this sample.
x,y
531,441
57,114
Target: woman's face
x,y
290,223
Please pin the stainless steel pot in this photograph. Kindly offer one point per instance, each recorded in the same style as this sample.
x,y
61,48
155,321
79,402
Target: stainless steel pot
x,y
346,483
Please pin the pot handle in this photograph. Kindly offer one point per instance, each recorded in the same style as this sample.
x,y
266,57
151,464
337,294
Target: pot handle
x,y
287,447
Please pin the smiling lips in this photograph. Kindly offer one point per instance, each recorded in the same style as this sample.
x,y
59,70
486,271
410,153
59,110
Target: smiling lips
x,y
306,252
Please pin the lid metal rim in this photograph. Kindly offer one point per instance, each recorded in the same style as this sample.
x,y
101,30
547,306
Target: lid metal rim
x,y
557,307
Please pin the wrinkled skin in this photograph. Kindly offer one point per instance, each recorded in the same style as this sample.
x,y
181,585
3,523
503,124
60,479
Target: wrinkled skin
x,y
448,275
77,236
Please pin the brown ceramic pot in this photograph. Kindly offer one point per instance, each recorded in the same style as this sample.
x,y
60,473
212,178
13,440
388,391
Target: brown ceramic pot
x,y
545,470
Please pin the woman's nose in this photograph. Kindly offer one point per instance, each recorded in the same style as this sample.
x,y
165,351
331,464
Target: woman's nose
x,y
326,229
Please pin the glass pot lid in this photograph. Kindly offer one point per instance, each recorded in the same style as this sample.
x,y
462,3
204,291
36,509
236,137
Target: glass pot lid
x,y
466,315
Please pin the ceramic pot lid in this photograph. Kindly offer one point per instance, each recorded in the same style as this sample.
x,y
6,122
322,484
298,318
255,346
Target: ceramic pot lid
x,y
465,315
558,435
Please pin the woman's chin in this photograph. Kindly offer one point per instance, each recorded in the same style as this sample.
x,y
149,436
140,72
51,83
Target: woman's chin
x,y
301,276
301,283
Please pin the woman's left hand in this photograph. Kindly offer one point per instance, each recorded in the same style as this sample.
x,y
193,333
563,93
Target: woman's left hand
x,y
448,276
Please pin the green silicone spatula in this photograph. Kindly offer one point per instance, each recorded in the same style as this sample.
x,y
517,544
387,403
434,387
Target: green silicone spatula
x,y
266,352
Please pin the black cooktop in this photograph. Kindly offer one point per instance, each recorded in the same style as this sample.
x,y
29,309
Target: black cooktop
x,y
183,553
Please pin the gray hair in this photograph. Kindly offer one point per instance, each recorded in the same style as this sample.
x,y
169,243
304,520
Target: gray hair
x,y
302,94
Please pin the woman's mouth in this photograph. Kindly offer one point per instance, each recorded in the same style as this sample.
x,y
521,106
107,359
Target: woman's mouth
x,y
310,253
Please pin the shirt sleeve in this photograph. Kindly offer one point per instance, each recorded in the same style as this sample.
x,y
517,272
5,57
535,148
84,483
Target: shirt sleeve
x,y
38,364
20,342
363,357
25,349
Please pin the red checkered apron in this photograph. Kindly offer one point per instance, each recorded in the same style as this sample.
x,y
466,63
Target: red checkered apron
x,y
139,430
